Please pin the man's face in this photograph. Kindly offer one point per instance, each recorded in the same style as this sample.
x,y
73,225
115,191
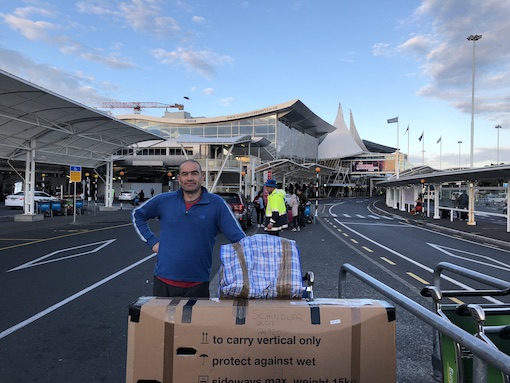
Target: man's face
x,y
190,177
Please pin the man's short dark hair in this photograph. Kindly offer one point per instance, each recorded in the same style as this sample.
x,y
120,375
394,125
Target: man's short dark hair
x,y
194,161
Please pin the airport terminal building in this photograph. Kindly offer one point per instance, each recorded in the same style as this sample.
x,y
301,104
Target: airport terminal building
x,y
286,142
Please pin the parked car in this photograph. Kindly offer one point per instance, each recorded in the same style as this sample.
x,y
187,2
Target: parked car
x,y
17,200
240,206
128,195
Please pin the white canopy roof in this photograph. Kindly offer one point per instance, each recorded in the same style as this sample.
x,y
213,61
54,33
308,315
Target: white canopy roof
x,y
59,130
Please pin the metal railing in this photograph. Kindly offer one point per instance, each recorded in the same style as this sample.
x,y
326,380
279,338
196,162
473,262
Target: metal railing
x,y
486,353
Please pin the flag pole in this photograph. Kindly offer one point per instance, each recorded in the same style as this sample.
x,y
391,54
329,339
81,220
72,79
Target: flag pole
x,y
408,135
397,162
440,142
423,150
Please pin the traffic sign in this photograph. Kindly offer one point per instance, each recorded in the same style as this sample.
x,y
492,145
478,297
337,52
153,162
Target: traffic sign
x,y
75,173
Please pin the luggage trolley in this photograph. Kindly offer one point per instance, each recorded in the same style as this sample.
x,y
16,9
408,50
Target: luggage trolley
x,y
488,322
265,326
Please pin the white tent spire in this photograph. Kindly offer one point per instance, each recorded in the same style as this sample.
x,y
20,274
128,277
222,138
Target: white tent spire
x,y
340,143
355,135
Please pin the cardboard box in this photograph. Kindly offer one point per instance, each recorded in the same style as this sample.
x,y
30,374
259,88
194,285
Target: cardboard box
x,y
261,341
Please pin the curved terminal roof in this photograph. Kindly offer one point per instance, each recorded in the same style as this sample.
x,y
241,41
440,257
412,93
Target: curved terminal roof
x,y
58,130
293,113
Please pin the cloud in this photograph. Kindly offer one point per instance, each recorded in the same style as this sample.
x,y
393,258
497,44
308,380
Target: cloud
x,y
32,30
45,31
381,49
208,91
198,19
447,57
227,101
203,62
110,60
138,15
75,86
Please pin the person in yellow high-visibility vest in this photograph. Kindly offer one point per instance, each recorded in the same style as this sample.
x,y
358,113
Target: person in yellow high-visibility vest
x,y
276,211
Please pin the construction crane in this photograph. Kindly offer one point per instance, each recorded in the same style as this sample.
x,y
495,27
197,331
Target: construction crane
x,y
137,106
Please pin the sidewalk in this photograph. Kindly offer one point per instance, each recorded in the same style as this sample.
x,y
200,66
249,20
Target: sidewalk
x,y
484,230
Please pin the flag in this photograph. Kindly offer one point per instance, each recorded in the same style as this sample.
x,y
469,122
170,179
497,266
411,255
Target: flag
x,y
438,141
421,137
392,120
407,130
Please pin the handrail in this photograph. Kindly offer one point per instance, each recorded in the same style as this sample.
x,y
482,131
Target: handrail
x,y
475,275
479,348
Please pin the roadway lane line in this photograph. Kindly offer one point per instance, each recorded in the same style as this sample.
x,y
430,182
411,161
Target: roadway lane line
x,y
388,261
412,275
50,309
416,263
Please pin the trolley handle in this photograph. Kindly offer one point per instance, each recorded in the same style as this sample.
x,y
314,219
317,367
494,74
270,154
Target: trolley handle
x,y
463,310
426,292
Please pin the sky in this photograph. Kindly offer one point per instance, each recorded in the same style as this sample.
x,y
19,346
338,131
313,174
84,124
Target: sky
x,y
379,59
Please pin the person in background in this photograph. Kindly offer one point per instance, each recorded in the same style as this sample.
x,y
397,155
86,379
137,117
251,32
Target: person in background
x,y
463,204
189,220
294,205
258,202
302,206
276,211
141,196
419,206
152,192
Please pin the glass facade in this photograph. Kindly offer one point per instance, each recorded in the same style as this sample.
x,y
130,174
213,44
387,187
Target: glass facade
x,y
284,141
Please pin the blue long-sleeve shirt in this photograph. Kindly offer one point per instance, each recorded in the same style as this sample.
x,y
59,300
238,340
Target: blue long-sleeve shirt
x,y
187,238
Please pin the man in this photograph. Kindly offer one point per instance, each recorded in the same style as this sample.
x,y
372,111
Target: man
x,y
190,219
276,211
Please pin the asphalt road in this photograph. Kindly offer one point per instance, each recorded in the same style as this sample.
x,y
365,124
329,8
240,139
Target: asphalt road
x,y
66,287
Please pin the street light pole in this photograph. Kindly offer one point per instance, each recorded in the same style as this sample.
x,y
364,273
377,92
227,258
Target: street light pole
x,y
460,143
498,127
474,39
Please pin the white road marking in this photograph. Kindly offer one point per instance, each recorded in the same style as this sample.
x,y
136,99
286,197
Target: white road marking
x,y
412,261
37,262
449,251
50,309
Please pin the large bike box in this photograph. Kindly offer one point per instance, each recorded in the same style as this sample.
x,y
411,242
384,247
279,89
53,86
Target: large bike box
x,y
238,340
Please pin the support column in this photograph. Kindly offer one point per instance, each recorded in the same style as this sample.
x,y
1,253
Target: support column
x,y
471,205
402,196
437,192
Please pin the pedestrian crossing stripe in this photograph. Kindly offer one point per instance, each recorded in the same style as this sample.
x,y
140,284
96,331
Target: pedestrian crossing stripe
x,y
368,216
